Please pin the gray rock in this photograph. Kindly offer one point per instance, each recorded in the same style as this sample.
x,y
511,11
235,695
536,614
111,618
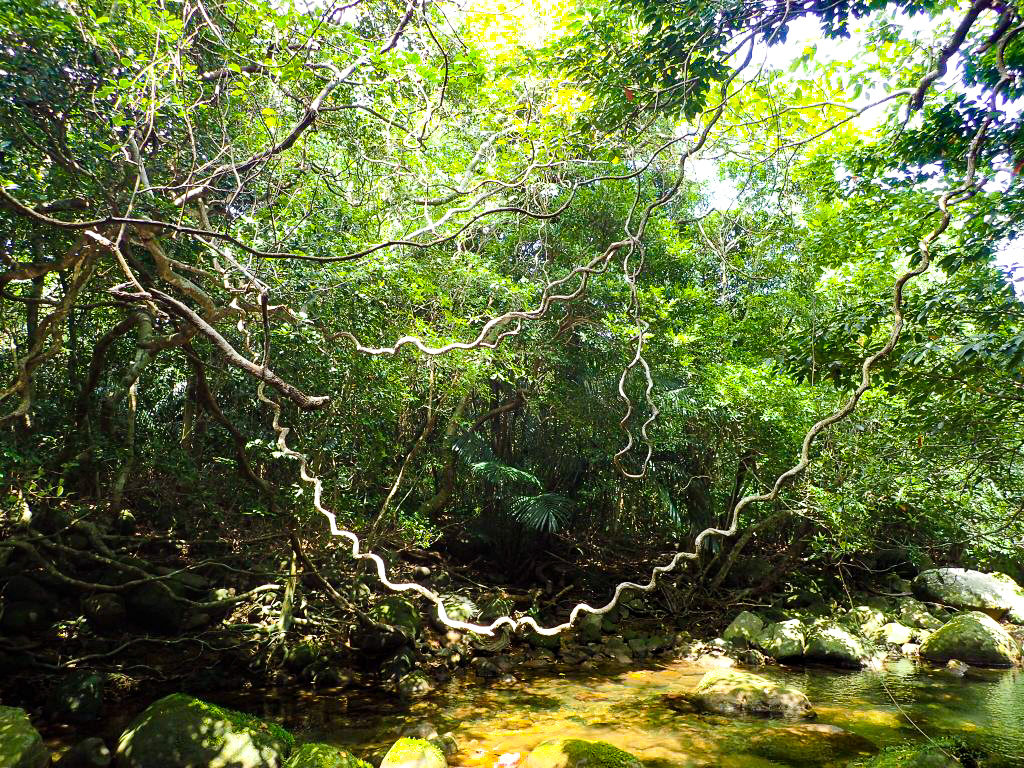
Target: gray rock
x,y
744,629
975,638
414,685
731,692
485,667
830,643
914,613
783,639
993,593
21,746
179,731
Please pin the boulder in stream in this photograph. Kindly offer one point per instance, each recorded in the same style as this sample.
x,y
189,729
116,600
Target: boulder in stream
x,y
913,756
830,643
865,620
414,753
323,756
21,746
973,637
783,639
993,593
578,753
813,744
731,692
895,633
744,629
179,731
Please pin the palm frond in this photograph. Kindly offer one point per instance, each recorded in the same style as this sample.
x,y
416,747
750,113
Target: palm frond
x,y
502,474
472,449
546,512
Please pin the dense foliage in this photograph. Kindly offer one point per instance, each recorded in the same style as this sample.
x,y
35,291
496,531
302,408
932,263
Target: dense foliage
x,y
197,193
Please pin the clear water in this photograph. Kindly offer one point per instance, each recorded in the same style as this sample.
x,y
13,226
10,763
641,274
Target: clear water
x,y
631,709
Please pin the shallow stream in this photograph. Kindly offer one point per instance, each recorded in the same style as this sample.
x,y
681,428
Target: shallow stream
x,y
630,708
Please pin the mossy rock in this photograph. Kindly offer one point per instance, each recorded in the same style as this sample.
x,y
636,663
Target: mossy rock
x,y
731,692
913,756
865,620
415,684
973,637
829,643
993,593
537,640
179,731
895,633
414,753
744,629
578,753
21,746
914,613
323,756
808,745
301,655
783,639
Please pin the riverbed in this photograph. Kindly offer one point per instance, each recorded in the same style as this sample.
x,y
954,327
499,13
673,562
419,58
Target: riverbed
x,y
634,709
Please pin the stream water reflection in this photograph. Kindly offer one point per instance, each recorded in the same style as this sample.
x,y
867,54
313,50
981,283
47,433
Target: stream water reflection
x,y
630,708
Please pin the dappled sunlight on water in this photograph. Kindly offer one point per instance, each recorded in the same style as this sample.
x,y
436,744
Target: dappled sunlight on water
x,y
631,709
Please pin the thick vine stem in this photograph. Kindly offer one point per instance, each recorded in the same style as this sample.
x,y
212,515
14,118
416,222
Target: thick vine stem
x,y
261,372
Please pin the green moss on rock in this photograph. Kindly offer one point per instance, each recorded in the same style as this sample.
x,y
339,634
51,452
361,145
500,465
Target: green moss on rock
x,y
21,746
830,643
414,753
578,753
994,593
744,629
731,692
808,745
324,756
914,756
975,638
180,731
783,639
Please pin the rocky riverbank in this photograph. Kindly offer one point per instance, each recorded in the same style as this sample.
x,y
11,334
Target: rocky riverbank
x,y
950,618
